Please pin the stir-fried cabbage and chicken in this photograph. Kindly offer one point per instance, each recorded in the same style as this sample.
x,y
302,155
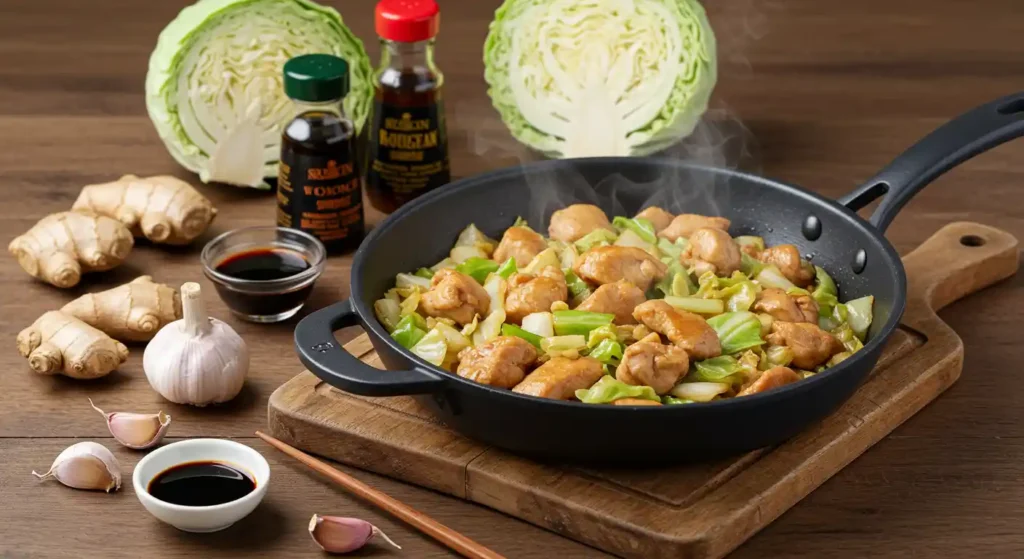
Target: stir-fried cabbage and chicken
x,y
658,309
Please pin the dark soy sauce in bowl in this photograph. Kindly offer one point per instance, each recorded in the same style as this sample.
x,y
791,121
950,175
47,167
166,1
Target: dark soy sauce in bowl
x,y
201,484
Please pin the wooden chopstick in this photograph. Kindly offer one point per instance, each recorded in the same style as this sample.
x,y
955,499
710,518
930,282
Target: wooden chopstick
x,y
454,540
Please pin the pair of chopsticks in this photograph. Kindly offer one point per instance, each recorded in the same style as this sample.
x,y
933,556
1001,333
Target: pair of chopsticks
x,y
454,540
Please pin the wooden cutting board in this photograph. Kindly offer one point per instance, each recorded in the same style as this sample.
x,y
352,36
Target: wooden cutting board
x,y
697,510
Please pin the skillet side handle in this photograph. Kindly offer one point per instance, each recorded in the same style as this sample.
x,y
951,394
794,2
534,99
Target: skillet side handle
x,y
960,259
958,140
321,353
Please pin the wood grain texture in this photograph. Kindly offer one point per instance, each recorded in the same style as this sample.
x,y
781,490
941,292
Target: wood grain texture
x,y
701,511
830,91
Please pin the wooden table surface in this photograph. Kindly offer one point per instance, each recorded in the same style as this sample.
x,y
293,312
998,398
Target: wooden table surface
x,y
830,90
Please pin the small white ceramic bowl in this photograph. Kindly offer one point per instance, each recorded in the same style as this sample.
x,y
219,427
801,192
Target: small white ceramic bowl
x,y
201,519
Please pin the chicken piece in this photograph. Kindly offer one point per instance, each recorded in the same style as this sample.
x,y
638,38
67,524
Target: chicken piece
x,y
786,308
685,225
658,217
713,248
574,222
456,296
682,328
635,402
811,345
772,378
528,293
787,259
619,298
520,243
501,362
560,378
652,363
609,264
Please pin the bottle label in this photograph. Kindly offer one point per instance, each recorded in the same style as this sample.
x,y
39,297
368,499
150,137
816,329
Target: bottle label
x,y
407,149
319,194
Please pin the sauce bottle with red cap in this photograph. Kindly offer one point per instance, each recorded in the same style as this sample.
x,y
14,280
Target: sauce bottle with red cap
x,y
407,144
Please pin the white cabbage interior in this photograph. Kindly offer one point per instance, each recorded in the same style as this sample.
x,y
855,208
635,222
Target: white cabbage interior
x,y
233,70
592,71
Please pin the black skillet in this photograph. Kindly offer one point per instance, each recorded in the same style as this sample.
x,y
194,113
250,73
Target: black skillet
x,y
853,250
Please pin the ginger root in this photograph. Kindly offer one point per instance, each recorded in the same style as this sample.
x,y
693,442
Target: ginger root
x,y
62,246
133,312
163,209
59,343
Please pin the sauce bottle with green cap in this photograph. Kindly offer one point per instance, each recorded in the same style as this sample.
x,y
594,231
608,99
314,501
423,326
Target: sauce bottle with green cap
x,y
318,186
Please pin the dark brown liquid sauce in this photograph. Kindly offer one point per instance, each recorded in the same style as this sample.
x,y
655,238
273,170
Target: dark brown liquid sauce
x,y
263,264
201,484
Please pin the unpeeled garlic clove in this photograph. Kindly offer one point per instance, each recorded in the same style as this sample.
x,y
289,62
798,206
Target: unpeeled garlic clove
x,y
136,430
85,465
337,534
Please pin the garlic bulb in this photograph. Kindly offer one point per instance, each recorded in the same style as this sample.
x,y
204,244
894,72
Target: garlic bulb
x,y
85,465
136,430
337,534
197,360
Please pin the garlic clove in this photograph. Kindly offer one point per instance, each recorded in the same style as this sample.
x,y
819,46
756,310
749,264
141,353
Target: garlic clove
x,y
86,465
337,534
136,430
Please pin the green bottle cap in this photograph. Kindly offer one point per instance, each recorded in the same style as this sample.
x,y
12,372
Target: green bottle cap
x,y
316,78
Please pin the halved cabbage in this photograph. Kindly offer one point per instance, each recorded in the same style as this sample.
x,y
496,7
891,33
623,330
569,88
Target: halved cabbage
x,y
214,86
577,78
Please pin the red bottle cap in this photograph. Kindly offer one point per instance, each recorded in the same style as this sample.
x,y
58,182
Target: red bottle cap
x,y
407,21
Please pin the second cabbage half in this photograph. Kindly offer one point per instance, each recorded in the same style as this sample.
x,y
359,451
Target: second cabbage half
x,y
577,78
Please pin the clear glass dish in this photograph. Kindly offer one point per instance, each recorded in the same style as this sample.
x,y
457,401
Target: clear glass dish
x,y
265,294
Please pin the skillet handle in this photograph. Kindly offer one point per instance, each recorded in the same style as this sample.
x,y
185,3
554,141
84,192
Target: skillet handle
x,y
321,353
958,140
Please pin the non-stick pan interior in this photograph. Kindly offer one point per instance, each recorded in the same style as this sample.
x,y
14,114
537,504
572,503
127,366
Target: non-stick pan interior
x,y
422,233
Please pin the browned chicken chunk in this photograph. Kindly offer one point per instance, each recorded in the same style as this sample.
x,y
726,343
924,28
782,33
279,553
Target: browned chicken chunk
x,y
574,222
635,402
528,293
609,264
685,225
560,378
520,243
811,345
786,308
652,363
658,217
619,298
682,328
501,362
456,296
772,378
787,259
714,248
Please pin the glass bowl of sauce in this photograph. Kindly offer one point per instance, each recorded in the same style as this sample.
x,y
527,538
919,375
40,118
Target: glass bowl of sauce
x,y
264,274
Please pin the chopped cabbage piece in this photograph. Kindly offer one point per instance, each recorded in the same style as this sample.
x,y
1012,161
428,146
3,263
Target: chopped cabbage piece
x,y
388,312
723,368
473,237
580,322
641,227
513,330
597,237
859,315
700,391
564,346
540,323
496,287
578,289
411,280
770,276
608,389
697,305
477,268
432,348
545,258
825,292
490,328
737,331
607,351
507,268
460,254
